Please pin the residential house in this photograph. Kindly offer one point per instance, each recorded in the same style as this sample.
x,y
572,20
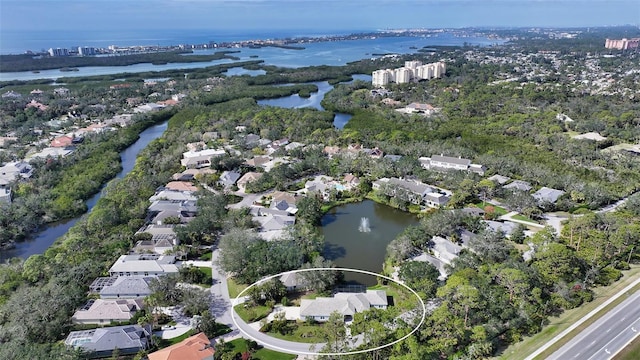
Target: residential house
x,y
499,179
160,210
181,186
228,178
547,195
200,159
251,140
190,174
11,95
291,282
437,263
406,190
518,185
284,201
52,152
15,170
293,145
196,347
61,91
5,192
273,227
441,162
163,239
393,158
37,105
62,141
128,339
248,178
100,311
445,249
506,227
435,199
331,151
173,195
347,304
376,153
351,181
258,161
122,287
144,265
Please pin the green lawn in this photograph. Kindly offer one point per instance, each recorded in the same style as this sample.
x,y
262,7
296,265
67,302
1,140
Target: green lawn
x,y
206,256
631,352
253,313
523,218
499,211
163,343
301,332
240,346
402,298
235,288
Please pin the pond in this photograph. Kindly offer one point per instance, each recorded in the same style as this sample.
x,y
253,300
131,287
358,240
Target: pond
x,y
357,235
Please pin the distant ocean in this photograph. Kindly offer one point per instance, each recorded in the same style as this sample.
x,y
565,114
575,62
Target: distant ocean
x,y
332,53
17,42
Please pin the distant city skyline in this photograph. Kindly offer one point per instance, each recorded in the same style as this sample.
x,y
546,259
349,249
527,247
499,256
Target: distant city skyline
x,y
324,15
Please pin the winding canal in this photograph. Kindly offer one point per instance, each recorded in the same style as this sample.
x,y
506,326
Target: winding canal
x,y
41,241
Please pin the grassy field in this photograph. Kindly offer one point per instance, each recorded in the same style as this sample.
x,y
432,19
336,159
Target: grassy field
x,y
235,288
240,346
558,324
163,343
631,352
302,332
253,313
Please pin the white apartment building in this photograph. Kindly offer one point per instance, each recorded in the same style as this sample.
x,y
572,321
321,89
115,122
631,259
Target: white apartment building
x,y
412,70
381,77
403,75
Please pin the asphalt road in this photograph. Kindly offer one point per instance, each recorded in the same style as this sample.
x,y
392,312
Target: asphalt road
x,y
607,336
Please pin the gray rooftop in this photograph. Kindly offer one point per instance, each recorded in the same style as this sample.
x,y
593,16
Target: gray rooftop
x,y
106,339
548,194
450,160
127,287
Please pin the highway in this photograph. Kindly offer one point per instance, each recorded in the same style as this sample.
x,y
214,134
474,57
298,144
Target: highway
x,y
607,336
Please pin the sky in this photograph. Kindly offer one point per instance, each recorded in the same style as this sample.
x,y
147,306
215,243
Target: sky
x,y
125,15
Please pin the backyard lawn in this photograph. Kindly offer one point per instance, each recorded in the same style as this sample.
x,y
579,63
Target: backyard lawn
x,y
240,346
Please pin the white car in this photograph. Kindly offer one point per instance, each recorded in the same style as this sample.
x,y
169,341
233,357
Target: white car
x,y
168,327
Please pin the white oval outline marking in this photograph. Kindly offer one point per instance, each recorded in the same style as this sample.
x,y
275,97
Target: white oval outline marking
x,y
289,351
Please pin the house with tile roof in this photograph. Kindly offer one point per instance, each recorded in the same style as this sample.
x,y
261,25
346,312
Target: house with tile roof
x,y
248,178
196,347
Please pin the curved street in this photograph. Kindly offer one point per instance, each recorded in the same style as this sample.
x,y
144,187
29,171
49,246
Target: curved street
x,y
221,308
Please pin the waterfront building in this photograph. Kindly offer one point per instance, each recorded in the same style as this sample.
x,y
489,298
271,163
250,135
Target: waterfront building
x,y
58,52
413,70
381,77
86,51
622,44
